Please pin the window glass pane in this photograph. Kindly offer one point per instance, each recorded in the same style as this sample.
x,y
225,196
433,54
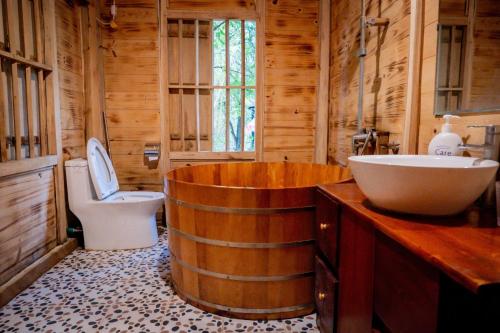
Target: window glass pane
x,y
235,135
235,53
219,53
250,48
249,119
219,120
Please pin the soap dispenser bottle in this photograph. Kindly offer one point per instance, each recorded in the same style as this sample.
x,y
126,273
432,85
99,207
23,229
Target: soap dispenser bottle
x,y
446,143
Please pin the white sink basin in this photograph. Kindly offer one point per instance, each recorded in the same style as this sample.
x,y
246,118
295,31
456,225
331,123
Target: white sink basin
x,y
422,184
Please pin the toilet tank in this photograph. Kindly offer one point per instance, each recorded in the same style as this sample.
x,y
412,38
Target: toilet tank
x,y
80,189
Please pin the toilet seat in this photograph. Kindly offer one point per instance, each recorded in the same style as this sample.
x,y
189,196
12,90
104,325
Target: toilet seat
x,y
133,196
101,170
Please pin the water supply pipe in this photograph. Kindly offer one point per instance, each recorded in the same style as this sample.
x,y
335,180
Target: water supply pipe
x,y
361,56
364,22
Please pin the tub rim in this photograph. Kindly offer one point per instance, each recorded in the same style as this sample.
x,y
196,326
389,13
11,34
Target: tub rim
x,y
169,178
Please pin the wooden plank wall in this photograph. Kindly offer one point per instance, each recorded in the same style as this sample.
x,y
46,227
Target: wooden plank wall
x,y
131,79
71,83
27,220
429,124
386,72
290,79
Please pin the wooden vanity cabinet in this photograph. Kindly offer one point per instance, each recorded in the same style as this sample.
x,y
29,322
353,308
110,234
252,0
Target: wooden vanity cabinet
x,y
351,269
405,289
366,278
327,228
325,297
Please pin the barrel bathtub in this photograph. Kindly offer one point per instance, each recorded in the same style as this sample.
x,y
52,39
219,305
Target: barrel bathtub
x,y
241,236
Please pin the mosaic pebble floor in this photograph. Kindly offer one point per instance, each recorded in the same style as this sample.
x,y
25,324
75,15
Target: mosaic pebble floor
x,y
121,291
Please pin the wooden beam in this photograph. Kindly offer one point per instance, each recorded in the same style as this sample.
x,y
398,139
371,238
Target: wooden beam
x,y
210,63
30,274
412,113
27,32
164,91
54,116
93,73
239,14
3,123
17,109
24,61
15,46
212,155
193,86
38,32
259,68
321,137
28,46
41,79
197,81
42,109
30,115
181,82
10,168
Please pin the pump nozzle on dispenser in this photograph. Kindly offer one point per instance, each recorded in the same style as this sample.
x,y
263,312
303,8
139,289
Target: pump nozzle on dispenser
x,y
446,128
446,143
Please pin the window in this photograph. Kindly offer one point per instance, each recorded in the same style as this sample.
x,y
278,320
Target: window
x,y
23,120
212,85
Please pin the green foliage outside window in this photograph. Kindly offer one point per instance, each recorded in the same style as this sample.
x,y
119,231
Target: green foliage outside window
x,y
236,136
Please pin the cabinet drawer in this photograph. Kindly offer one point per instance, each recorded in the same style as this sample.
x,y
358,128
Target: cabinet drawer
x,y
406,289
327,216
325,296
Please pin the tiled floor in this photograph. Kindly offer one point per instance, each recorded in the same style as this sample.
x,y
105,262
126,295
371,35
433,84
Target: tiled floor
x,y
120,291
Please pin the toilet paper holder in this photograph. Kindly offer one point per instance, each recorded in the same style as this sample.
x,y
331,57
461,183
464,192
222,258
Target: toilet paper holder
x,y
152,155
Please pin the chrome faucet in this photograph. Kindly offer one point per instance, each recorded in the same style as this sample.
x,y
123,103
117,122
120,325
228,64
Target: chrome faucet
x,y
490,149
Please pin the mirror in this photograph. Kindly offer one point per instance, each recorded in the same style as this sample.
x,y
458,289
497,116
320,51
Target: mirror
x,y
468,57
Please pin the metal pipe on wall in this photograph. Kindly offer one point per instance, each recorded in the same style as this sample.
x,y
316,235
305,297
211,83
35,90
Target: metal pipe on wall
x,y
361,56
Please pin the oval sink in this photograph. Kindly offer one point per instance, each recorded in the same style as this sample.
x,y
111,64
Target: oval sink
x,y
422,184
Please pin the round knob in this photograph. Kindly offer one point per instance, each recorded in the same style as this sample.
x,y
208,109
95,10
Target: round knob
x,y
323,226
321,296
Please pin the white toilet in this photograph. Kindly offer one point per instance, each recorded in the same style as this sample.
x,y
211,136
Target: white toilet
x,y
111,219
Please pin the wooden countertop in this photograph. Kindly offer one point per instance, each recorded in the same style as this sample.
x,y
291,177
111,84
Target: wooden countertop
x,y
466,247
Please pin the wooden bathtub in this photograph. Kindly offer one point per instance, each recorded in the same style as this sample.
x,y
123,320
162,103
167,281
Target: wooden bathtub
x,y
241,236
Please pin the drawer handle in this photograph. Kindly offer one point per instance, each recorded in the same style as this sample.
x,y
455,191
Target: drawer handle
x,y
323,226
321,296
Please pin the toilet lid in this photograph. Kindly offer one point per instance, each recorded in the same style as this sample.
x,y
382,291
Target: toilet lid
x,y
101,169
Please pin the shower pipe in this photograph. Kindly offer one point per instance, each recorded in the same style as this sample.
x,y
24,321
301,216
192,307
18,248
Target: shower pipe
x,y
364,22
